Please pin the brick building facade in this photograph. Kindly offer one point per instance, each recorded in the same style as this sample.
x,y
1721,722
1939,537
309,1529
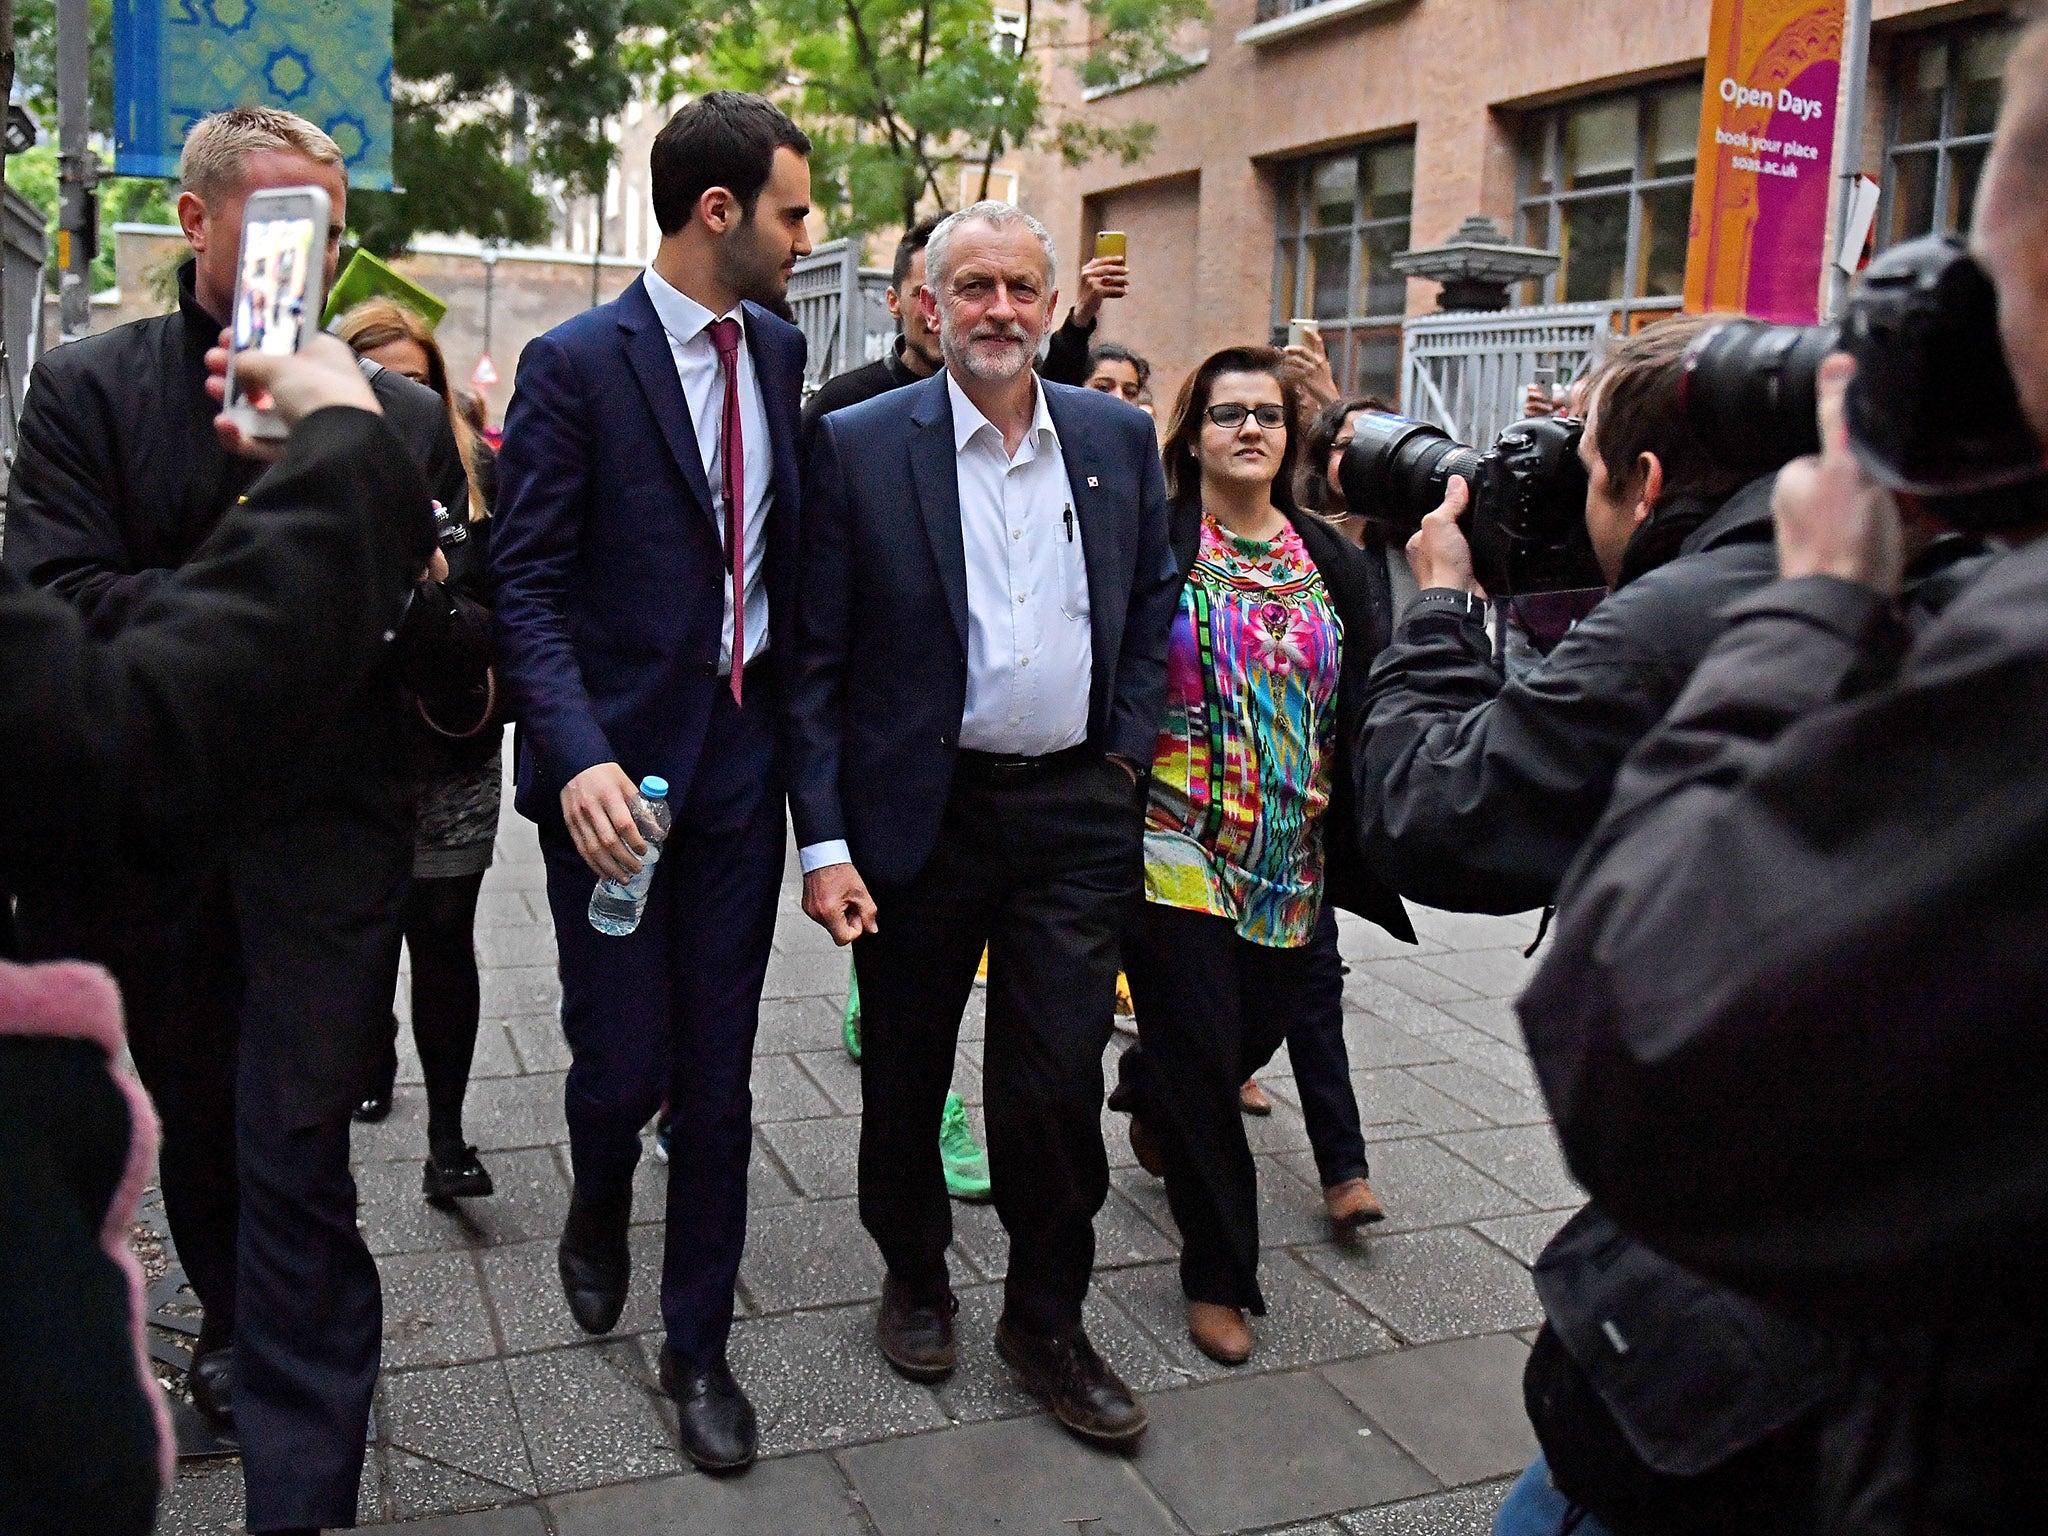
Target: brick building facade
x,y
1316,137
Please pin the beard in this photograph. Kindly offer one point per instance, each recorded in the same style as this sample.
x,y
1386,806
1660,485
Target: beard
x,y
971,355
751,267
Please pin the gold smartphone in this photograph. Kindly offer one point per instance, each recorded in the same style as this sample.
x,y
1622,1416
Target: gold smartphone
x,y
1110,242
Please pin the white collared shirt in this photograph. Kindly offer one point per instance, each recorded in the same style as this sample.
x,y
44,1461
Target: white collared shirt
x,y
1030,652
689,342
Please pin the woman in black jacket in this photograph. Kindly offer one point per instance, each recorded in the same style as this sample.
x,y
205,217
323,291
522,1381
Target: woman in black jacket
x,y
1248,840
453,739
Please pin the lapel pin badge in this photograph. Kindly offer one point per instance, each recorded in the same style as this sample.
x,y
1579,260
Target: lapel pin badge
x,y
1093,483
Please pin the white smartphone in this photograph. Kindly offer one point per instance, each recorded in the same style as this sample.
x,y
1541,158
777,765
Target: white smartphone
x,y
280,289
1299,330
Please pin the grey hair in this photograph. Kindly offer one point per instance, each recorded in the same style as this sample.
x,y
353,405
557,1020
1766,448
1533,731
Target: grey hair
x,y
990,212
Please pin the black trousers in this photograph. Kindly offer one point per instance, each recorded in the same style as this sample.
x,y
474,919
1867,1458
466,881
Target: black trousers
x,y
1040,868
1212,1008
1322,1063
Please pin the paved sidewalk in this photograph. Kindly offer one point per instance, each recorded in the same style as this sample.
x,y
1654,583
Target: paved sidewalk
x,y
1384,1396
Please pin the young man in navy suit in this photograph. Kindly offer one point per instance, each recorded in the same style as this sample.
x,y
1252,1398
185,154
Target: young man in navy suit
x,y
980,672
644,562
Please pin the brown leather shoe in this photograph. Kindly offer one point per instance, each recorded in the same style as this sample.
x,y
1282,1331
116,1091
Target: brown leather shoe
x,y
1352,1204
1251,1098
916,1339
1146,1150
1066,1374
1220,1332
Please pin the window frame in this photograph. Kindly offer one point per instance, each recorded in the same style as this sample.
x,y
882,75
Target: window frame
x,y
1946,142
1294,181
1551,204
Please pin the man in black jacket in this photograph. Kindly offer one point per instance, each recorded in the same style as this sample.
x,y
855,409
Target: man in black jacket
x,y
1476,793
254,986
143,747
913,355
1791,1027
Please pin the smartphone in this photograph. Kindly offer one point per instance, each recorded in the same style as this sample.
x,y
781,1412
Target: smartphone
x,y
1546,380
280,289
1299,330
1110,242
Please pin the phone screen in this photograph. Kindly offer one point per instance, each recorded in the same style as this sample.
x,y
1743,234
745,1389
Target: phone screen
x,y
270,306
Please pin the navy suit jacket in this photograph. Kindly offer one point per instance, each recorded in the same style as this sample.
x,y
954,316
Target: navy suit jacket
x,y
880,683
607,557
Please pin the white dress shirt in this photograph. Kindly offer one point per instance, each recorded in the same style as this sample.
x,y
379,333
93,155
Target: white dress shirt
x,y
1030,652
689,342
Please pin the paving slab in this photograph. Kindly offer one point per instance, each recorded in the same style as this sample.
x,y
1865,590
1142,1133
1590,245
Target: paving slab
x,y
592,1414
789,1496
823,1156
1483,1092
1523,1236
514,1520
1526,1159
1394,1103
1461,1512
1455,1407
1315,1456
1019,1477
454,1419
811,1255
784,1091
1488,972
818,1380
1422,1185
1441,1284
1306,1319
434,1312
533,1195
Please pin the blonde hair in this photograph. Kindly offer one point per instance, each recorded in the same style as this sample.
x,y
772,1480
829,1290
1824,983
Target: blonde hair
x,y
378,323
211,164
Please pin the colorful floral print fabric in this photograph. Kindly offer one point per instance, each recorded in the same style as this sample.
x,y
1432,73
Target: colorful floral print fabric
x,y
1242,773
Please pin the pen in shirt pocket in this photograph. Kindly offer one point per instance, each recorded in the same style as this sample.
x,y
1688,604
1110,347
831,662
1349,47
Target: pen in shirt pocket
x,y
1067,520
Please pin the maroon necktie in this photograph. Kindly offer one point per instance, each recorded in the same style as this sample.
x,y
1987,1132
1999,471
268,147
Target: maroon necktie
x,y
725,336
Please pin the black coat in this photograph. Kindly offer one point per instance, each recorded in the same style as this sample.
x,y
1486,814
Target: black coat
x,y
1348,880
1479,791
120,479
851,388
150,741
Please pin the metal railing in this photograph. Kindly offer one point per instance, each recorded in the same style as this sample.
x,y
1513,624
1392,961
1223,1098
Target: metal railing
x,y
1272,10
1466,371
838,305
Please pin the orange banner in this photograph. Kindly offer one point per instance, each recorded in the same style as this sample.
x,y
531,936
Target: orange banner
x,y
1767,133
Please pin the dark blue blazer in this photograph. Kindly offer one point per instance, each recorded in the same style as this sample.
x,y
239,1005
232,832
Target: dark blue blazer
x,y
607,559
880,683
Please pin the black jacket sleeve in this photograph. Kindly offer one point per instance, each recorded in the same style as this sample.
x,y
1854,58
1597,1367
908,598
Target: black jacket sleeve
x,y
1791,1024
62,497
1138,697
1066,355
146,745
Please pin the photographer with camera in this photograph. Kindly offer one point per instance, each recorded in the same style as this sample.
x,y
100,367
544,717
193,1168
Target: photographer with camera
x,y
1480,788
1791,1026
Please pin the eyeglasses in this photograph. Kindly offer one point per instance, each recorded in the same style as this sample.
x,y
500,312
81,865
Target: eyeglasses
x,y
1230,415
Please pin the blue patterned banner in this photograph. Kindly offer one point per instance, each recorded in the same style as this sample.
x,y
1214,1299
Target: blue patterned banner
x,y
177,60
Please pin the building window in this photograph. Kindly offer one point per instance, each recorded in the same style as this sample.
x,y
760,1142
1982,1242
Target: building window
x,y
1607,184
1341,217
1945,94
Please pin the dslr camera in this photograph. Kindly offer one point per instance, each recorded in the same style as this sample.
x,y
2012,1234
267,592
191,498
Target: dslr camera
x,y
1526,519
1932,412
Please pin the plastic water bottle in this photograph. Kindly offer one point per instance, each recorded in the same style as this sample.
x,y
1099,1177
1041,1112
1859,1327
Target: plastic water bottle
x,y
615,906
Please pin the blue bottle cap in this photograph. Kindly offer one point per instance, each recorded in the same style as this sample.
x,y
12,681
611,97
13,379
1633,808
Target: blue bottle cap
x,y
654,787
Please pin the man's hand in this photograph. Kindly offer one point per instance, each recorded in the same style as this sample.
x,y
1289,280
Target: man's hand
x,y
1308,366
1833,519
1438,554
837,900
1106,277
598,806
320,374
437,567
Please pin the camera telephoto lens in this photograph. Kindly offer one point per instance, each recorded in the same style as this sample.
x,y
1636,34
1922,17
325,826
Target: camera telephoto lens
x,y
1749,389
1396,468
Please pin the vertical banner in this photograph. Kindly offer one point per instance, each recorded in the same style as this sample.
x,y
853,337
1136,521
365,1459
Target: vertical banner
x,y
177,60
1761,195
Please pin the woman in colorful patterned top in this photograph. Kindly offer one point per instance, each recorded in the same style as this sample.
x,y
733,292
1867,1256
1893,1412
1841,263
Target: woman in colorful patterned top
x,y
1249,838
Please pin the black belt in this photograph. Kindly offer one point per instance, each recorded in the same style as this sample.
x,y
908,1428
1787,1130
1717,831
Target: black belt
x,y
1009,768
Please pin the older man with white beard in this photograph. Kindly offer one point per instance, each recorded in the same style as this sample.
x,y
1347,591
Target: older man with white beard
x,y
980,670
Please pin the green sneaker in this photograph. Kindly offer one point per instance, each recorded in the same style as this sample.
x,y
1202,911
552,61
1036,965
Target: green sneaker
x,y
965,1163
849,1024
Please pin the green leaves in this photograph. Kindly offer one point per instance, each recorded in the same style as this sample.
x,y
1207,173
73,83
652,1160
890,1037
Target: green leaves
x,y
909,102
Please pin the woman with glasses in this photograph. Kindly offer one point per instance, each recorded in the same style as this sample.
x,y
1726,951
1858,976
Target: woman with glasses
x,y
1249,840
